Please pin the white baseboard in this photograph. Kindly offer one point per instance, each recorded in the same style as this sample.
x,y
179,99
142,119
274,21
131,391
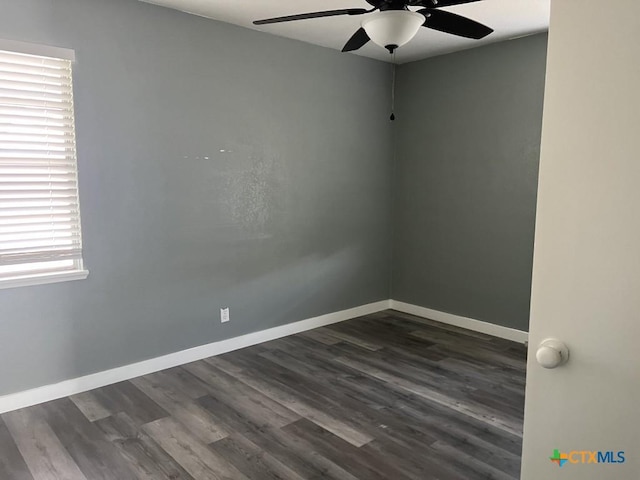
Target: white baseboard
x,y
47,393
463,322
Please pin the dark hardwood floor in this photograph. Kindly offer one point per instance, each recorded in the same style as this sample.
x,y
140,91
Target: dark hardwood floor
x,y
383,397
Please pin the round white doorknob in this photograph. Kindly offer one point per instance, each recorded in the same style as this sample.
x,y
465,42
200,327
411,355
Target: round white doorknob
x,y
552,353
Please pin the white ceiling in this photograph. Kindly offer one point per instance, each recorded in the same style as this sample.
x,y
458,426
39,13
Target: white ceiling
x,y
509,18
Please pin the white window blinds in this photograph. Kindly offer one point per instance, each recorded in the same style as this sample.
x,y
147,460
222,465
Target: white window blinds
x,y
39,211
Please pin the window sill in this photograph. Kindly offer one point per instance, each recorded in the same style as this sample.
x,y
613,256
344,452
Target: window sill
x,y
43,279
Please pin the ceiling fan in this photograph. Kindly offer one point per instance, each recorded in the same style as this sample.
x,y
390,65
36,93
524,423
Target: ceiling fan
x,y
393,24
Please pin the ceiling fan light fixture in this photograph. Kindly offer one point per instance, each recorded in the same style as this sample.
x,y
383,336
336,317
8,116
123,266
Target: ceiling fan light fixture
x,y
392,28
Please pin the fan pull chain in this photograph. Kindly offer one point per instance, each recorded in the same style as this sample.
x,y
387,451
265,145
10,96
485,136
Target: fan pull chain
x,y
393,88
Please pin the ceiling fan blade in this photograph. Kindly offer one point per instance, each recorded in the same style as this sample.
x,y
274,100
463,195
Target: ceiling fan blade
x,y
440,3
448,22
304,16
359,39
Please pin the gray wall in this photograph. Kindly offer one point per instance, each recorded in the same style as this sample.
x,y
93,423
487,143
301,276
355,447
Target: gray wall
x,y
218,167
468,145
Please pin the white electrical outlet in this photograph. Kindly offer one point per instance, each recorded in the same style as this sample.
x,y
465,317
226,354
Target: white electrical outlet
x,y
224,315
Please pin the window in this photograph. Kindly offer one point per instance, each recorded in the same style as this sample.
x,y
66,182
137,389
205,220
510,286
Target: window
x,y
40,236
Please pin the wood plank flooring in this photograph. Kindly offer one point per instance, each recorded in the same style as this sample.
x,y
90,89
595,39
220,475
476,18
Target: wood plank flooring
x,y
388,396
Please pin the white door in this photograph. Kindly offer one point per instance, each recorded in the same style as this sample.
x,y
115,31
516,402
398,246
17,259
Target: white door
x,y
586,274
